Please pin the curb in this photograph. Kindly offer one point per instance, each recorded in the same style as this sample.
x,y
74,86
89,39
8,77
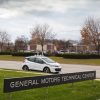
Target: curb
x,y
39,73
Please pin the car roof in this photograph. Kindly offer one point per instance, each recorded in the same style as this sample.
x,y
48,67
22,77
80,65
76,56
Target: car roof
x,y
36,56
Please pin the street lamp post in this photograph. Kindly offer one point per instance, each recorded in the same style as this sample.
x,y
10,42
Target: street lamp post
x,y
76,48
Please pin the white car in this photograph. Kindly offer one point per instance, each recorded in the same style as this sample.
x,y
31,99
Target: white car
x,y
41,63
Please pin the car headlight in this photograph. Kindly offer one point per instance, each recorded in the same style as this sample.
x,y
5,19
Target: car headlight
x,y
55,66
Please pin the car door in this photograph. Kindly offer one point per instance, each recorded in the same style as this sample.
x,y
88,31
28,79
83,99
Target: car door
x,y
39,64
31,63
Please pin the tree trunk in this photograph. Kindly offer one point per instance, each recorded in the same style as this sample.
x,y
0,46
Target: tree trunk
x,y
42,49
98,49
1,47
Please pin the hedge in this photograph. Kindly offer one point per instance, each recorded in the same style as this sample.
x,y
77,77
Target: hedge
x,y
25,54
5,53
79,56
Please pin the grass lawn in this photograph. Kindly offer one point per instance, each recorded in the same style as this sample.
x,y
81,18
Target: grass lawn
x,y
11,58
58,59
79,91
77,61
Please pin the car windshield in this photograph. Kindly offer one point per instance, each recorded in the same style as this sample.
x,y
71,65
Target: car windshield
x,y
48,60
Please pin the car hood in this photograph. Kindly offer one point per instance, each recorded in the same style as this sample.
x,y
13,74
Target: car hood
x,y
54,64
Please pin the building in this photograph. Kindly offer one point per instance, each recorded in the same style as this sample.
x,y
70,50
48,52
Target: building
x,y
36,47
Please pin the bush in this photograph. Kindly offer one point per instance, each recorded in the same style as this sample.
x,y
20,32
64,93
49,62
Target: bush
x,y
79,56
25,54
5,53
59,55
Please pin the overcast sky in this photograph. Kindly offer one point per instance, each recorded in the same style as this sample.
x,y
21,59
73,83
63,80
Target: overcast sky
x,y
65,17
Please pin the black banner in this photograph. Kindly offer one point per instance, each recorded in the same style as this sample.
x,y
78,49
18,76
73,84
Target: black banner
x,y
24,83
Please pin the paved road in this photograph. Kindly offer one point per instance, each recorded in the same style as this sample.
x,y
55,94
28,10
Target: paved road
x,y
66,68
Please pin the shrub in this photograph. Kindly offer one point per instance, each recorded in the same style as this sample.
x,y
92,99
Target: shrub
x,y
79,56
5,53
25,54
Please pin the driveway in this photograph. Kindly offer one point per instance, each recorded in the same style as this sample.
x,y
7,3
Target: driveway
x,y
66,68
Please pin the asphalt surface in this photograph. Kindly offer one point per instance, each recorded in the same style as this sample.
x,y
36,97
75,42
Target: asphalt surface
x,y
66,68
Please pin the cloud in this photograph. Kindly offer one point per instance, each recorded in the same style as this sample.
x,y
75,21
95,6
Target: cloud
x,y
64,16
4,13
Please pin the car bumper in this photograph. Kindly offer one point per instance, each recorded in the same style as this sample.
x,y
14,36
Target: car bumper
x,y
55,69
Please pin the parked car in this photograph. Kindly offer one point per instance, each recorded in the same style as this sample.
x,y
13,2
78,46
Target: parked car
x,y
41,63
62,52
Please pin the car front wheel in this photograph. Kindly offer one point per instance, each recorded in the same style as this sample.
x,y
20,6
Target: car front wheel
x,y
46,70
25,67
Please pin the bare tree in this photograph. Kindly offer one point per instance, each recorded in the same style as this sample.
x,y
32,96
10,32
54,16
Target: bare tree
x,y
21,43
4,39
91,33
42,33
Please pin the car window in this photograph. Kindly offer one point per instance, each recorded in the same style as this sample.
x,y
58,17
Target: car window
x,y
31,59
38,60
48,60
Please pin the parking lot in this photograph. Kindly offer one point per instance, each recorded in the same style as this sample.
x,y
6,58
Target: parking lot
x,y
66,68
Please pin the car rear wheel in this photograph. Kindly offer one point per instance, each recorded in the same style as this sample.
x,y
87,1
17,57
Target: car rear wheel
x,y
25,68
46,70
